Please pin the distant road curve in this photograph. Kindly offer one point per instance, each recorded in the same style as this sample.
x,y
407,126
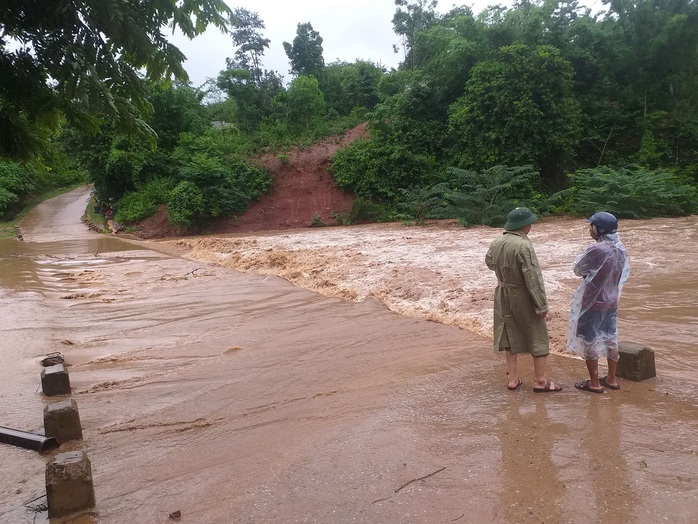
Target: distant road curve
x,y
58,218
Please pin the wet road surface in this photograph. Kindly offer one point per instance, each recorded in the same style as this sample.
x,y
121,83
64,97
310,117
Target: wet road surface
x,y
236,397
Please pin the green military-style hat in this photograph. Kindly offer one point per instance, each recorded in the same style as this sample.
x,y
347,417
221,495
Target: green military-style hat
x,y
518,218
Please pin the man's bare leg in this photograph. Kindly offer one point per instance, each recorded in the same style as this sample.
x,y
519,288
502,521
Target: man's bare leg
x,y
511,368
593,368
539,371
611,378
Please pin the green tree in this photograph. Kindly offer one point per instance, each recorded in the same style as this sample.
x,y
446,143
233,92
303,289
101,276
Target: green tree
x,y
305,54
241,89
303,103
411,17
454,46
518,109
251,44
253,100
347,86
117,163
415,116
659,72
83,60
177,108
185,204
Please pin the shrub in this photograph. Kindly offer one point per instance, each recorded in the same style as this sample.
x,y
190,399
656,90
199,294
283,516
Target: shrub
x,y
133,207
633,192
16,181
8,200
486,197
140,204
364,210
61,171
317,221
226,183
186,202
16,177
378,170
419,204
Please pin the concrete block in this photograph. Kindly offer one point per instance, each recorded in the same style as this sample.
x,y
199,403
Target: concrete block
x,y
62,421
52,359
636,362
69,486
55,381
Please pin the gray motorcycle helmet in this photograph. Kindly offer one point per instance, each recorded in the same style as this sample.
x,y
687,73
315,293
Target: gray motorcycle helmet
x,y
606,222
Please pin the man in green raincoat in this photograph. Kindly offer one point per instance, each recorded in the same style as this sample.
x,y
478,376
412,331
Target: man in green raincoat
x,y
520,303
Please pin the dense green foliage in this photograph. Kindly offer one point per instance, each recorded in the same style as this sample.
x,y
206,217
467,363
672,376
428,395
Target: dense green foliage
x,y
219,182
485,112
15,180
20,183
82,60
375,170
486,197
227,185
518,109
185,203
630,193
305,53
475,197
302,106
545,84
348,87
142,203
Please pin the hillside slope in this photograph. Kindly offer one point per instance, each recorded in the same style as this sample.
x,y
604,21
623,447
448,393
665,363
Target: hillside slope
x,y
303,189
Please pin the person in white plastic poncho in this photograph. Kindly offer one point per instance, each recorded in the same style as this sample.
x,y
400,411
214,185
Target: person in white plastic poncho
x,y
593,329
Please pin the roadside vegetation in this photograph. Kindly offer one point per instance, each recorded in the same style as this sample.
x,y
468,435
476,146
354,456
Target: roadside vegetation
x,y
543,104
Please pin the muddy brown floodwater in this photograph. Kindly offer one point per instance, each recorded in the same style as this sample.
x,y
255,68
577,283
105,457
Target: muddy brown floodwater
x,y
340,375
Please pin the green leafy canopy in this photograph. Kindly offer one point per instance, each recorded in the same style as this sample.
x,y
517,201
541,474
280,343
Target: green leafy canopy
x,y
83,59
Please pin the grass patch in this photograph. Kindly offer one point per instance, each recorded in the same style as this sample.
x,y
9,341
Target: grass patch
x,y
90,217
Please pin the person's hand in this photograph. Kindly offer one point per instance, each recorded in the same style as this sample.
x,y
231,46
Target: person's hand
x,y
543,315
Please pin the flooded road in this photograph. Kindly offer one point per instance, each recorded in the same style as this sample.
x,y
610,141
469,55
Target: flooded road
x,y
437,272
240,397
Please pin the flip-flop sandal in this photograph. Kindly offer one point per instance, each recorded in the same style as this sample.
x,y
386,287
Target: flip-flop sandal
x,y
609,386
515,387
550,387
584,386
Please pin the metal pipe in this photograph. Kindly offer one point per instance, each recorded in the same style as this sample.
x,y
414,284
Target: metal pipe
x,y
27,440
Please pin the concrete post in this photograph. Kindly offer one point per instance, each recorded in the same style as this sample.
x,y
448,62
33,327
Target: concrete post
x,y
55,381
52,359
69,486
636,362
62,421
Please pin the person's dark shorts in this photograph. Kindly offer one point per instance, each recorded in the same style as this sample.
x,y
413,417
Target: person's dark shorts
x,y
593,322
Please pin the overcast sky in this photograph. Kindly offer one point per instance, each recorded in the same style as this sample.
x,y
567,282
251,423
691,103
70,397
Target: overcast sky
x,y
350,29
